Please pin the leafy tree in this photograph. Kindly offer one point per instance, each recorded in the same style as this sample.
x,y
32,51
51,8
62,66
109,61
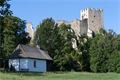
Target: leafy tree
x,y
83,43
57,40
13,31
67,58
45,34
5,8
114,60
4,11
99,53
104,52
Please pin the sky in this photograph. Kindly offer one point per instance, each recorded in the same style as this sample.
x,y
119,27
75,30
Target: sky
x,y
36,10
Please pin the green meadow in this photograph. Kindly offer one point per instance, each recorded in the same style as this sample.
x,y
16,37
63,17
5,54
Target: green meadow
x,y
59,76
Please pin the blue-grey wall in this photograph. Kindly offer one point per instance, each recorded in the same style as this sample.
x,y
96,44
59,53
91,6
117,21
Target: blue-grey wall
x,y
28,64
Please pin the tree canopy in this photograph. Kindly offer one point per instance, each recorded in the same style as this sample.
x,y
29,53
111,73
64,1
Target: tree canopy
x,y
57,40
12,30
98,54
105,52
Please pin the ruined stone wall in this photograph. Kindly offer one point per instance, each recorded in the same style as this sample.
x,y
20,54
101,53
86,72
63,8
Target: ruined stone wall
x,y
30,30
84,27
75,25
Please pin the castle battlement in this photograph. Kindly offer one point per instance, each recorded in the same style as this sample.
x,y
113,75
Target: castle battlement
x,y
90,19
91,9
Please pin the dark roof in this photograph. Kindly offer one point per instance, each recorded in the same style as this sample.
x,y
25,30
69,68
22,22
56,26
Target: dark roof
x,y
27,51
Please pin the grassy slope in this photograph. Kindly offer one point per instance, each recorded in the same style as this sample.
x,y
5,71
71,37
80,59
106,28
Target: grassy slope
x,y
60,76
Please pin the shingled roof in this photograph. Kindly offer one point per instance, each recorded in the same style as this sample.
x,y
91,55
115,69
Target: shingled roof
x,y
27,51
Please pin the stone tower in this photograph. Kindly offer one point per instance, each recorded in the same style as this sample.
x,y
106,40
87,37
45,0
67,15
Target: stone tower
x,y
30,30
91,20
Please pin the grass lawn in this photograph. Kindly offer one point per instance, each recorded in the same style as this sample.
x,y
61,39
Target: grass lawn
x,y
59,76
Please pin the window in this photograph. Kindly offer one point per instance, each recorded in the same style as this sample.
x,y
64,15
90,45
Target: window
x,y
34,64
94,16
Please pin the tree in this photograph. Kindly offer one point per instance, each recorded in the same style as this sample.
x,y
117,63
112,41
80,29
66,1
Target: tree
x,y
66,58
45,35
83,43
57,40
5,8
13,31
4,11
99,51
105,52
114,60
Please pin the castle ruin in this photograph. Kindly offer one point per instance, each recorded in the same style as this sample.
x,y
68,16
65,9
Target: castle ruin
x,y
91,20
